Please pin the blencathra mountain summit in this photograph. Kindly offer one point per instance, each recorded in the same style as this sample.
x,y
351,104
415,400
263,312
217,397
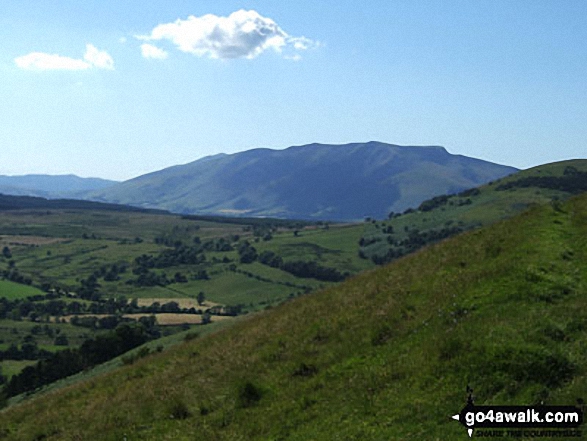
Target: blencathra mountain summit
x,y
316,181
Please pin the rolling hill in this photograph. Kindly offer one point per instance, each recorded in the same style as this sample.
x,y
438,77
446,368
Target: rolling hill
x,y
386,355
317,181
446,215
51,186
12,202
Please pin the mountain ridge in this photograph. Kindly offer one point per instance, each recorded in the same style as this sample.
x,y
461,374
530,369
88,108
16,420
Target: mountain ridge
x,y
343,182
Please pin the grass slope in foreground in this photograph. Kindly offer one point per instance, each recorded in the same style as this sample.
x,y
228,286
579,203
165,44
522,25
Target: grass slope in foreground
x,y
386,355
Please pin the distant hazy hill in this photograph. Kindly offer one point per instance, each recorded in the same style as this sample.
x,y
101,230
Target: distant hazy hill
x,y
12,202
337,182
51,186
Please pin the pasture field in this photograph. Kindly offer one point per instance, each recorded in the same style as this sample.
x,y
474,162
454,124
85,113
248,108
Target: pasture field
x,y
184,303
8,368
163,319
43,334
60,250
12,290
96,240
171,319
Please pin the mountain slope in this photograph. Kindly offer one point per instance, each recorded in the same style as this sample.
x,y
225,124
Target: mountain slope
x,y
51,186
332,182
386,355
444,215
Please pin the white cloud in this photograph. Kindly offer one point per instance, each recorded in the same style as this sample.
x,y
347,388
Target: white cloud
x,y
97,58
243,34
150,51
43,61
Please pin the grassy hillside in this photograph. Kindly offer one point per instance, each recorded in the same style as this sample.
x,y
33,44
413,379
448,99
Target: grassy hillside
x,y
386,355
443,216
12,290
316,181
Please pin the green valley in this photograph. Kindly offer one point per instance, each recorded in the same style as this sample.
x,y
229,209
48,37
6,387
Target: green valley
x,y
385,355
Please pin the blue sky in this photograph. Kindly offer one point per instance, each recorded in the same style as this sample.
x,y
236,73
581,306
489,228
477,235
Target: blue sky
x,y
116,89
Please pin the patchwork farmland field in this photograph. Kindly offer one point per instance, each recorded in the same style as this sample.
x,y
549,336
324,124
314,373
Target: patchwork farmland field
x,y
12,290
87,271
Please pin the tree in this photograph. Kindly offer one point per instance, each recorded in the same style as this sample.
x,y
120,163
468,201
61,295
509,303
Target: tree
x,y
201,275
201,298
61,340
179,278
6,252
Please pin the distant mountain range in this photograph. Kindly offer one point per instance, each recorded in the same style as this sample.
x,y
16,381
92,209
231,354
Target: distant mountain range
x,y
17,202
51,186
317,181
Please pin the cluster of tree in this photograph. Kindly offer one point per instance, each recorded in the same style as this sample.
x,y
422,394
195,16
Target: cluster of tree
x,y
89,320
172,307
468,193
313,270
233,268
151,278
112,273
30,307
219,244
6,253
250,222
129,241
365,242
573,181
89,288
93,322
387,229
417,239
168,241
13,275
37,307
433,203
462,202
180,255
231,310
246,252
27,351
413,242
299,268
264,231
70,361
271,259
